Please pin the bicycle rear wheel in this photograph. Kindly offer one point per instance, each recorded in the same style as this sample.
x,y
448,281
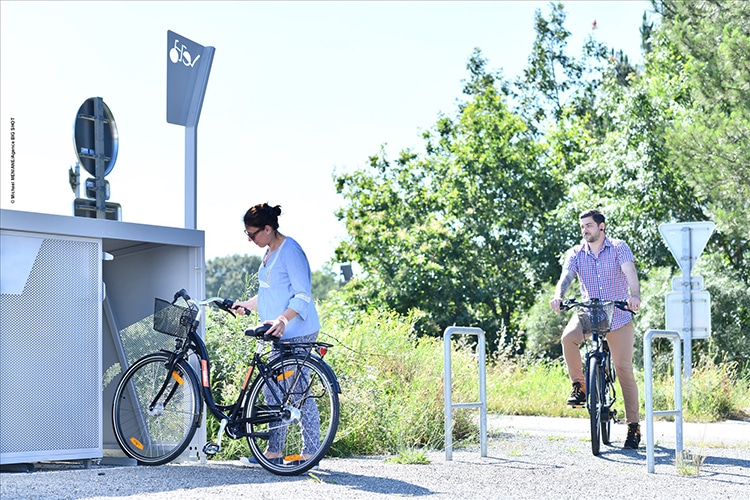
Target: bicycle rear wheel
x,y
154,430
293,413
595,384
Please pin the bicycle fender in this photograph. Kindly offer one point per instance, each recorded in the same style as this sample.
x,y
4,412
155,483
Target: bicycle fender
x,y
329,372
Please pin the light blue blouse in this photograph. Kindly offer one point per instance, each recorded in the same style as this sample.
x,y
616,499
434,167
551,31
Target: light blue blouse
x,y
285,282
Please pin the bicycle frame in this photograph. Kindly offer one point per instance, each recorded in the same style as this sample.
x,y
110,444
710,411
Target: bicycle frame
x,y
195,345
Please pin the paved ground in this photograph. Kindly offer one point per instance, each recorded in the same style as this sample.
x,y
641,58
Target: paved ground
x,y
528,457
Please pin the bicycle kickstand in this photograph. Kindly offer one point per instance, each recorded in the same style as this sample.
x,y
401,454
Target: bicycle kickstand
x,y
212,448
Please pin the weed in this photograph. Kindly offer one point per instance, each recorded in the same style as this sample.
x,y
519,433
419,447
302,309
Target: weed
x,y
410,456
689,464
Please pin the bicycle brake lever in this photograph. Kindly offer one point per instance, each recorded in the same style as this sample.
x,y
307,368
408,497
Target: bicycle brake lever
x,y
226,305
182,293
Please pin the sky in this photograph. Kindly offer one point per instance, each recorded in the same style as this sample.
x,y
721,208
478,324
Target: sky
x,y
298,91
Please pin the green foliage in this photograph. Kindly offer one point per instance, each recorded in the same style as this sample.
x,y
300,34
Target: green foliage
x,y
543,327
410,456
324,282
554,83
234,277
449,232
715,391
730,314
392,383
710,139
230,353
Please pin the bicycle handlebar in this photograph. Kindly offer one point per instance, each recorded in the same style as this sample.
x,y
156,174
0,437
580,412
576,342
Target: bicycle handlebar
x,y
593,303
227,305
259,331
223,304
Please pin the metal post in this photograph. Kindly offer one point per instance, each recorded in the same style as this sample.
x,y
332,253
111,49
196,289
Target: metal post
x,y
100,183
191,177
448,394
649,382
687,302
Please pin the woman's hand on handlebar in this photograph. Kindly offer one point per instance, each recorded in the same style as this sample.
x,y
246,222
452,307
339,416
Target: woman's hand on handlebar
x,y
245,307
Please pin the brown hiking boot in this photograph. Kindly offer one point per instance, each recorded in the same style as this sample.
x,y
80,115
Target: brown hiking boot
x,y
634,436
577,395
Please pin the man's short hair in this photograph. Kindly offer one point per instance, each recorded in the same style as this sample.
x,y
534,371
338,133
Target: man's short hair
x,y
595,214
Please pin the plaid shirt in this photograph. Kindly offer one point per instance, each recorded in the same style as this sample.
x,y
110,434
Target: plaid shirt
x,y
602,277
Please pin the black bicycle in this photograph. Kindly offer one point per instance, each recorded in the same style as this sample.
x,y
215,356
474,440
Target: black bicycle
x,y
595,316
293,398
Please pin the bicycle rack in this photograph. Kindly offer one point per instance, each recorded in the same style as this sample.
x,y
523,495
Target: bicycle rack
x,y
676,338
449,405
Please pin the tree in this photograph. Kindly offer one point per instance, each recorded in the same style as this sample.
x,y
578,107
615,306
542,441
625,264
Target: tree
x,y
450,231
236,277
710,139
323,282
554,85
233,277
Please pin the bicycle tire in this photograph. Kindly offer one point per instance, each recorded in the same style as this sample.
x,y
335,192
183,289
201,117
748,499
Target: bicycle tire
x,y
595,403
311,393
156,436
607,402
610,377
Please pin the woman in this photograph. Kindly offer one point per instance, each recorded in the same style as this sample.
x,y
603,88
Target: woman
x,y
285,302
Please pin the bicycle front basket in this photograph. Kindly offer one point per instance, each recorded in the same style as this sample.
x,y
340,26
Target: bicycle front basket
x,y
172,319
596,319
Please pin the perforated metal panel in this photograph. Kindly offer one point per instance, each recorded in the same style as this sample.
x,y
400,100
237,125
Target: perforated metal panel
x,y
50,351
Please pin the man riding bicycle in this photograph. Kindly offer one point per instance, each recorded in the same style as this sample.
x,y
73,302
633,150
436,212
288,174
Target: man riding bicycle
x,y
605,268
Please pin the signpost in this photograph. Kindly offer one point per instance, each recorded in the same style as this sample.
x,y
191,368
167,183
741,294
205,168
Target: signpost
x,y
686,241
188,68
96,142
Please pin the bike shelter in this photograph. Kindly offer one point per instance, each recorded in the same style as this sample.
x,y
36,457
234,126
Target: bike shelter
x,y
77,293
76,300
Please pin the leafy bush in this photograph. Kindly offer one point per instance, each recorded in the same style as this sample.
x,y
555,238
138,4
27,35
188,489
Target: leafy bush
x,y
542,327
392,382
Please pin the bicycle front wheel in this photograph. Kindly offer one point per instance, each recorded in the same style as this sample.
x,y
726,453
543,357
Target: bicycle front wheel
x,y
595,386
293,415
155,411
607,412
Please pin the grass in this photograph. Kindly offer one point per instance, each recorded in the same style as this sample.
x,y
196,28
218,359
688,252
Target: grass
x,y
410,456
392,385
689,464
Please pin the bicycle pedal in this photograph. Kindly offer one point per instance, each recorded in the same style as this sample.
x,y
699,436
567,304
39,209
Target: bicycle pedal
x,y
211,449
578,406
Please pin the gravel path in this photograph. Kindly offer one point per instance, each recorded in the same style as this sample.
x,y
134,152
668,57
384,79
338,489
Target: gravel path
x,y
527,458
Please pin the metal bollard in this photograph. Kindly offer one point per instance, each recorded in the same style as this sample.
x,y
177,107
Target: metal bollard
x,y
482,404
676,338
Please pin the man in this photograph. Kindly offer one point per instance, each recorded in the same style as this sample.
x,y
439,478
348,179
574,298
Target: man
x,y
606,270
